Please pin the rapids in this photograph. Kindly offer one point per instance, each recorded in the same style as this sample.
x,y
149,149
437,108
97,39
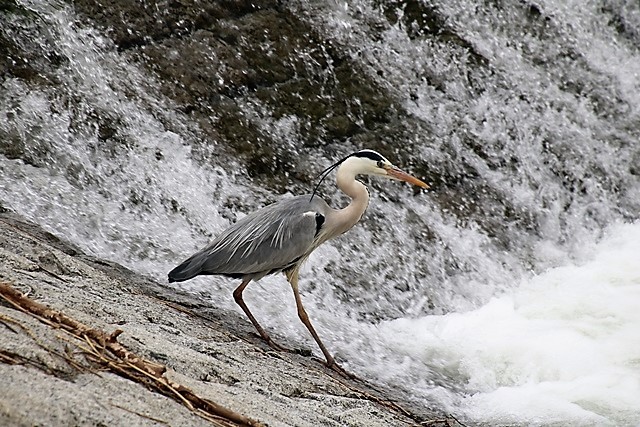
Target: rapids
x,y
507,295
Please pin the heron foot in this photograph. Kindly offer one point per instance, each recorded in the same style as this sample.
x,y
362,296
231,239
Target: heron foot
x,y
331,364
276,346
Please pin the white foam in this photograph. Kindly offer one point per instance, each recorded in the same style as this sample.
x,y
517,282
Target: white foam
x,y
563,347
559,348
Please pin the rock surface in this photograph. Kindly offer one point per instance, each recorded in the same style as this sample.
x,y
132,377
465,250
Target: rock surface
x,y
209,350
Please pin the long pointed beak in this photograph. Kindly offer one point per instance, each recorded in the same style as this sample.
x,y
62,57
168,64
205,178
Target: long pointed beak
x,y
396,173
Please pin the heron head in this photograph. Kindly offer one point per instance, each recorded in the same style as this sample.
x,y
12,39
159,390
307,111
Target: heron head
x,y
370,162
373,163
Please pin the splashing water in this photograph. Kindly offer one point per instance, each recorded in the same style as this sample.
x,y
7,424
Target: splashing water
x,y
542,334
560,348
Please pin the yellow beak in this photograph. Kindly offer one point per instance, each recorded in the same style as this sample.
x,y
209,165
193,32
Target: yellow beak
x,y
396,173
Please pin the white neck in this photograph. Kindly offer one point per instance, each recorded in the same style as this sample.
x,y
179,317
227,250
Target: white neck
x,y
346,179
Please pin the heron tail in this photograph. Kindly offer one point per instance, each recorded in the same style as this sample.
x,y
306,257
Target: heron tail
x,y
187,270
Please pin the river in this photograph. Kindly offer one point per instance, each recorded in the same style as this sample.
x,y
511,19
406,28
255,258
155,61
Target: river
x,y
507,295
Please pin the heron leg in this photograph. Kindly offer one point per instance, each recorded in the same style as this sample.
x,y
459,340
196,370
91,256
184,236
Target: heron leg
x,y
237,296
302,314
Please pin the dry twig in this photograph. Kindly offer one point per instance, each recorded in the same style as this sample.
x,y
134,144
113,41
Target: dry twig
x,y
107,351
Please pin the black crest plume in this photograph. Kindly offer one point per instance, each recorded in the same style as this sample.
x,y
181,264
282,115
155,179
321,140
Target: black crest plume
x,y
369,154
326,172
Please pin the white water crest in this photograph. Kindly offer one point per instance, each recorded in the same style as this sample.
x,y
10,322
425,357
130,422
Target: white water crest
x,y
544,333
561,348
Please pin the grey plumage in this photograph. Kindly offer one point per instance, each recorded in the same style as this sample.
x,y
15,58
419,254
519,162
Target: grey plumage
x,y
267,241
281,236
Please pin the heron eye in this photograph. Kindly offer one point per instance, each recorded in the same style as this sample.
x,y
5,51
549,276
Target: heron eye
x,y
380,164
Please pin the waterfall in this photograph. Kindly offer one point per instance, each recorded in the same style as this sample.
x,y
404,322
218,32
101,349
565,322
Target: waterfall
x,y
506,295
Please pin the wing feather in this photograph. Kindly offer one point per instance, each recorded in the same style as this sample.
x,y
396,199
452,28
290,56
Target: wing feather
x,y
263,242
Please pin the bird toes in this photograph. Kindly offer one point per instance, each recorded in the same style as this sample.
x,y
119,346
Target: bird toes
x,y
340,370
278,347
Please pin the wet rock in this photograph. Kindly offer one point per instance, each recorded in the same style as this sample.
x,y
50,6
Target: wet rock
x,y
213,352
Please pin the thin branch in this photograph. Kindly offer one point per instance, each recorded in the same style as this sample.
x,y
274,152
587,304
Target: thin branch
x,y
122,361
158,420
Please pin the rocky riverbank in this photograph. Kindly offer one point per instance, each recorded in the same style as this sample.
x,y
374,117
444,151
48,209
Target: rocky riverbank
x,y
52,377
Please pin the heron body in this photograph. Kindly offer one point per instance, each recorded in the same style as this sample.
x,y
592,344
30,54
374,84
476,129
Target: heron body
x,y
263,242
281,236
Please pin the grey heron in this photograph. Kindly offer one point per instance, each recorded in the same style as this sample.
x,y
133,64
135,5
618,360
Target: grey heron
x,y
281,236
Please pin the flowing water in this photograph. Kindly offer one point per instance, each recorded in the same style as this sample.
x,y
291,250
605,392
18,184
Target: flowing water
x,y
521,311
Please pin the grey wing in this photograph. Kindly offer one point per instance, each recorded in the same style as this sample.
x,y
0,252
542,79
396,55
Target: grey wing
x,y
269,240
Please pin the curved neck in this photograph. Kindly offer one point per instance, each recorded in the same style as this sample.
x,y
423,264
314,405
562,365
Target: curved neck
x,y
348,216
